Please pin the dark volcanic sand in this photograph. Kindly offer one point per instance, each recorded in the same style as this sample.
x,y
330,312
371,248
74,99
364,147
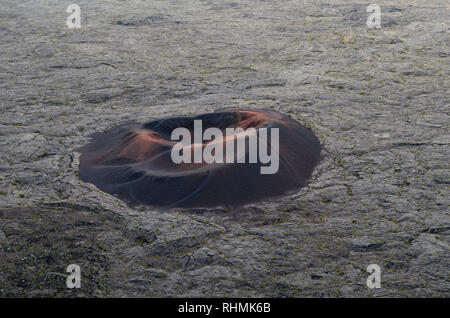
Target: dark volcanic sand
x,y
376,98
267,156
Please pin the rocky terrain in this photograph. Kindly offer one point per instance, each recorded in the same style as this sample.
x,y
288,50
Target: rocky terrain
x,y
377,98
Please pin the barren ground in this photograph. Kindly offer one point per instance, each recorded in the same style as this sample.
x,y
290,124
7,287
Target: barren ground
x,y
376,98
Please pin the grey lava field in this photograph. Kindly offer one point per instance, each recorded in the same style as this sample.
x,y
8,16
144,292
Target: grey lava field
x,y
376,98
